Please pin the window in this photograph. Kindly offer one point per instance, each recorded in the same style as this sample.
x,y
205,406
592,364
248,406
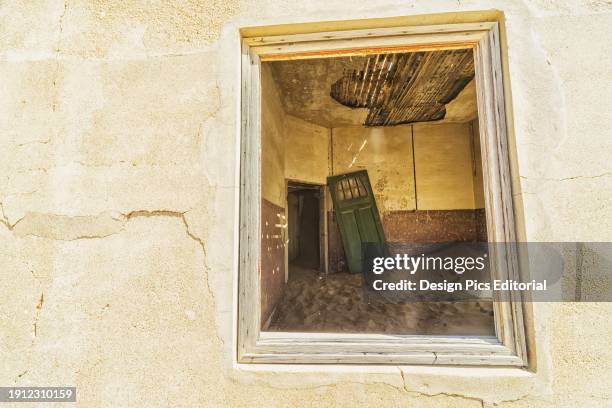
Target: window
x,y
351,188
263,238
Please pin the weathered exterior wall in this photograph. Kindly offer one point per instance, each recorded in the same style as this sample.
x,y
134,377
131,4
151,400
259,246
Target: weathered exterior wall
x,y
118,124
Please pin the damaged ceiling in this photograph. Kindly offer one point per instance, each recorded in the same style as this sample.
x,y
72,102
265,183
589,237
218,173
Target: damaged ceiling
x,y
380,90
405,88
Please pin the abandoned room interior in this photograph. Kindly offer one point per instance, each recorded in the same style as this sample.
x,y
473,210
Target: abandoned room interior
x,y
378,147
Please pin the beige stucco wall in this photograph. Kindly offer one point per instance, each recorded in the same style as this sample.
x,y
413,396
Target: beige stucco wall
x,y
119,130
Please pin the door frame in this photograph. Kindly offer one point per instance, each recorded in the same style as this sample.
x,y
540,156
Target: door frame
x,y
509,346
323,234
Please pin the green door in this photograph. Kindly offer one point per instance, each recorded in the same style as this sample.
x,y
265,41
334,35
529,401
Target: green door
x,y
356,214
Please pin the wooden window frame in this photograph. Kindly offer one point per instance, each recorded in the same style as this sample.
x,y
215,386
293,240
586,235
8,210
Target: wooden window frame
x,y
508,346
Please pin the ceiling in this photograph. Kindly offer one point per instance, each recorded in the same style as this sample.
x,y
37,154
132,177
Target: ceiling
x,y
379,90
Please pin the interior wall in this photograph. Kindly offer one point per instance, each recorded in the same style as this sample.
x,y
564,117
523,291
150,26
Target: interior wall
x,y
441,206
386,153
306,156
273,215
443,156
443,164
272,140
292,149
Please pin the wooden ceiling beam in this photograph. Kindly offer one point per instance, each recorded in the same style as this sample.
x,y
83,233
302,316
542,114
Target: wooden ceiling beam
x,y
416,91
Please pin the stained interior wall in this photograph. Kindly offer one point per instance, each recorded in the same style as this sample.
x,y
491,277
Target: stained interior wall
x,y
442,158
273,202
443,161
306,152
292,149
273,140
386,153
438,205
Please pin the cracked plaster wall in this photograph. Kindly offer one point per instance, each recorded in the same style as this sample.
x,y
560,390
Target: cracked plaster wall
x,y
118,125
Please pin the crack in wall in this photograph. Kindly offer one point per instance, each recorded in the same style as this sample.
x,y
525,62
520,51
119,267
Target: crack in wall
x,y
57,54
403,389
167,213
126,217
43,142
587,177
182,216
568,178
4,219
36,224
420,393
21,374
482,401
39,306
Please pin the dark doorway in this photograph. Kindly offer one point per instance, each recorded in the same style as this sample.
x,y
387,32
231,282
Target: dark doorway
x,y
304,203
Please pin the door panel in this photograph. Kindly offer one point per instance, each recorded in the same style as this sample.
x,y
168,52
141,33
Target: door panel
x,y
357,215
351,239
367,225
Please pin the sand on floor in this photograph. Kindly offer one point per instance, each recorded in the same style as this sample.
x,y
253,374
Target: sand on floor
x,y
316,302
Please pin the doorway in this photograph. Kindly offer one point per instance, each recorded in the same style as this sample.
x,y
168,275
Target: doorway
x,y
305,249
